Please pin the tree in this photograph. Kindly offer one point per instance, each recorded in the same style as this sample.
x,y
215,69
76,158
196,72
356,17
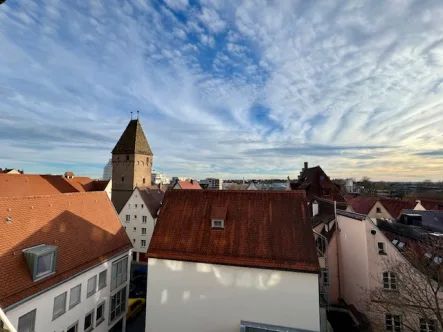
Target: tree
x,y
417,295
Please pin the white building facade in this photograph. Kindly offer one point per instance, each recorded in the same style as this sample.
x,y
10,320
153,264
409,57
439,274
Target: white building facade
x,y
94,299
159,178
138,223
198,297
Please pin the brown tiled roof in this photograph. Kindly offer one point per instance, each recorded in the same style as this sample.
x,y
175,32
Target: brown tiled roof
x,y
13,185
263,229
189,185
133,141
361,204
84,227
313,180
153,199
395,206
100,185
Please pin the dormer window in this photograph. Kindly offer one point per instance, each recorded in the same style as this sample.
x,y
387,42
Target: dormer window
x,y
218,223
41,260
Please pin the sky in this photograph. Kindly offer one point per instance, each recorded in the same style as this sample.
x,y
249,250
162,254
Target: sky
x,y
227,89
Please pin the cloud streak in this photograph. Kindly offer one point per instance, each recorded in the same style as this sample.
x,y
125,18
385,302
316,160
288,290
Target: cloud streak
x,y
256,86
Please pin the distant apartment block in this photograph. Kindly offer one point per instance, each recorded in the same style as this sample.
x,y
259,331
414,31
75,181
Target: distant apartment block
x,y
107,170
65,262
159,178
212,183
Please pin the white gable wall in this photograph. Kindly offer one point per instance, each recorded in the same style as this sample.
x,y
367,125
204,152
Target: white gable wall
x,y
196,297
136,208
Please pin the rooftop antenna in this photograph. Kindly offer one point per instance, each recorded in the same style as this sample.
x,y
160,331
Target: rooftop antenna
x,y
131,115
137,114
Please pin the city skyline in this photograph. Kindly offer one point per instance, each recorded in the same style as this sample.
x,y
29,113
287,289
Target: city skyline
x,y
240,89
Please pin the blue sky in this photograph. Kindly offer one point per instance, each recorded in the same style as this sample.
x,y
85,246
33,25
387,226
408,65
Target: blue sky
x,y
225,88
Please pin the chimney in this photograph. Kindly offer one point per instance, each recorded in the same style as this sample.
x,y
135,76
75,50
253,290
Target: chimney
x,y
306,166
192,181
314,208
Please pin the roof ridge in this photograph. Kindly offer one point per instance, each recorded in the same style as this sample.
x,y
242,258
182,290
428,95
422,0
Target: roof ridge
x,y
52,195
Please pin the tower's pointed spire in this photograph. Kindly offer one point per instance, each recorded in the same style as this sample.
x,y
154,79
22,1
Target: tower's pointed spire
x,y
133,140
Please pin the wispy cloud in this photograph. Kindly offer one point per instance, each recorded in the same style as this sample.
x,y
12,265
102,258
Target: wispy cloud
x,y
250,88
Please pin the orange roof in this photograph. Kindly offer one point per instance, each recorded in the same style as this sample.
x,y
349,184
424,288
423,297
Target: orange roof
x,y
84,227
262,229
189,185
13,185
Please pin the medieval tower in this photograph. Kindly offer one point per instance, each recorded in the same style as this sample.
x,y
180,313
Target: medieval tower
x,y
131,164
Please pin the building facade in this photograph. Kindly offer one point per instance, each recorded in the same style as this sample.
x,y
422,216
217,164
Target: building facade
x,y
138,218
107,171
205,275
65,263
212,183
159,178
131,164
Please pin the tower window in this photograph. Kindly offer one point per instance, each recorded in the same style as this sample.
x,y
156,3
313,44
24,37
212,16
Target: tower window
x,y
144,180
127,157
123,178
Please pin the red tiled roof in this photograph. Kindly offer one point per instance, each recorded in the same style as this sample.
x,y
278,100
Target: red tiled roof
x,y
263,229
430,204
84,227
189,185
13,185
361,204
395,206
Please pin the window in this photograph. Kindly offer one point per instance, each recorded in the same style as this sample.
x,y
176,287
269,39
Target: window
x,y
217,223
123,178
428,325
326,192
124,227
59,306
102,279
378,210
381,248
143,243
136,205
400,245
75,296
133,240
394,242
135,216
144,219
119,273
73,328
143,231
44,264
389,281
26,323
89,321
144,180
325,278
92,282
118,304
128,218
135,229
127,157
142,206
393,323
99,316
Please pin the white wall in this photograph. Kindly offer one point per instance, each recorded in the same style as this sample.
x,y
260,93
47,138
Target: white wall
x,y
44,303
139,211
186,296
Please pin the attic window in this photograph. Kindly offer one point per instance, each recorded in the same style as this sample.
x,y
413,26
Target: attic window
x,y
217,223
41,261
378,210
326,192
381,248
